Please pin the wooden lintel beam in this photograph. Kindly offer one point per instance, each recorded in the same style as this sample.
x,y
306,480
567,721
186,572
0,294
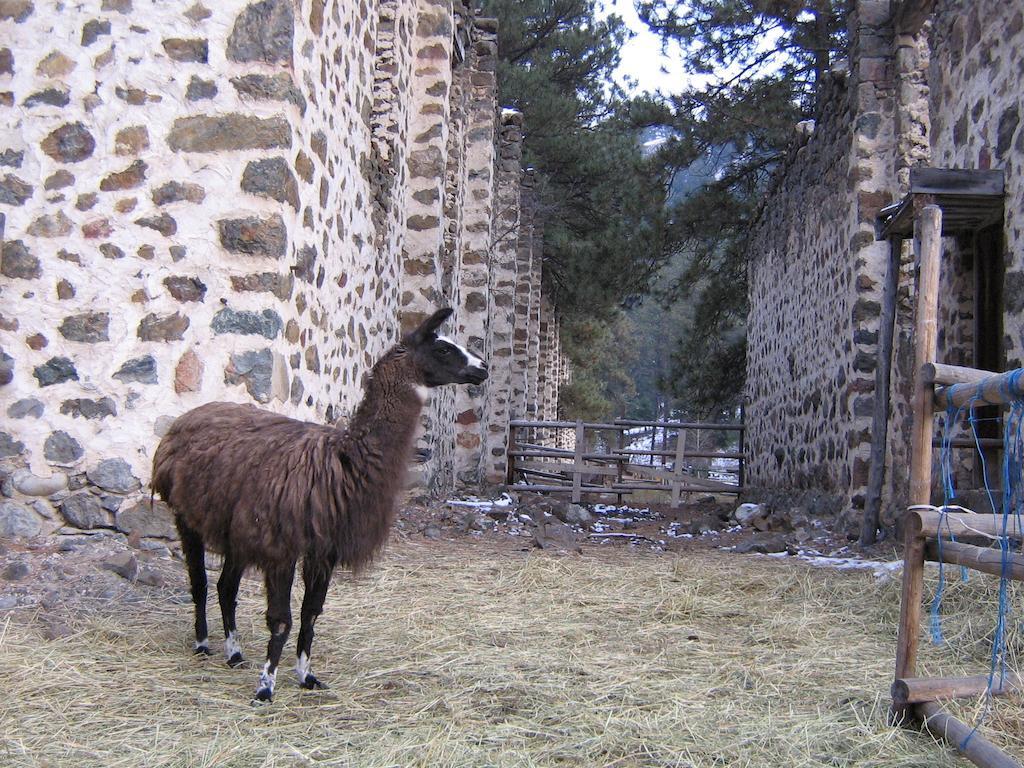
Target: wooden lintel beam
x,y
933,524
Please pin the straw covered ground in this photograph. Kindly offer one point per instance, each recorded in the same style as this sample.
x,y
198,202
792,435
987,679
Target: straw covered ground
x,y
461,655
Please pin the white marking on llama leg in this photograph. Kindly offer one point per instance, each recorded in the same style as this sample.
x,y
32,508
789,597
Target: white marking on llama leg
x,y
306,678
233,649
470,357
265,690
202,647
302,667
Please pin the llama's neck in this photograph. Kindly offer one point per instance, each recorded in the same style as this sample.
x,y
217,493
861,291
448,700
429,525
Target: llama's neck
x,y
391,405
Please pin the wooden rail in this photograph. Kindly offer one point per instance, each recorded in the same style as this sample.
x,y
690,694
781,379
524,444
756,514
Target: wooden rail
x,y
615,469
936,387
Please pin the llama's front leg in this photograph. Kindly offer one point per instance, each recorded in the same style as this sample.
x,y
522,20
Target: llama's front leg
x,y
317,579
279,622
195,561
227,595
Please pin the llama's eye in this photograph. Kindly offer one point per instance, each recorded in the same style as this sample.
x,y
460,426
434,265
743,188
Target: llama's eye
x,y
444,351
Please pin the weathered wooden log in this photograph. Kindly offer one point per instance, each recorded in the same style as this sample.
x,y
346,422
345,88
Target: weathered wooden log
x,y
999,389
933,524
915,690
679,425
928,246
976,748
942,375
984,559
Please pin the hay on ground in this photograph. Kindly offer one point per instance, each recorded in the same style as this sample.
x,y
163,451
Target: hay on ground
x,y
446,656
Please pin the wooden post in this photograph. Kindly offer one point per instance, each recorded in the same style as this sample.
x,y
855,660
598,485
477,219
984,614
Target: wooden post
x,y
677,469
621,442
577,470
916,690
880,417
928,245
743,458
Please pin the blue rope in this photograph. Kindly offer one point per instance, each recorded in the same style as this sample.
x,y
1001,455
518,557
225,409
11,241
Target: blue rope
x,y
1013,463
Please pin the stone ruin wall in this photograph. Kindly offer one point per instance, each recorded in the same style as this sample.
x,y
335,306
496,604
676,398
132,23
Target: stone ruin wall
x,y
241,201
947,95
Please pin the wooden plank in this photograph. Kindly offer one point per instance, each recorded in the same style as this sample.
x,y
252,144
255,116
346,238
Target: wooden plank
x,y
963,737
711,426
732,489
928,244
691,455
914,690
985,559
960,524
600,489
941,374
1000,389
677,468
577,473
549,466
957,181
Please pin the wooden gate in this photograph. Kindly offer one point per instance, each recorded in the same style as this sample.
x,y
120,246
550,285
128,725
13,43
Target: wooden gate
x,y
580,458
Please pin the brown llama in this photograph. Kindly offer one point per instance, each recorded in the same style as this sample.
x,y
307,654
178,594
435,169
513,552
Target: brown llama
x,y
267,491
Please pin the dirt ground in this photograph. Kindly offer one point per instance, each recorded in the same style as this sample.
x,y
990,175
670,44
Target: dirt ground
x,y
469,645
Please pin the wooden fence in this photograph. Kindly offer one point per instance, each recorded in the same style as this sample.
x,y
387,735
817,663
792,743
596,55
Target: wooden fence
x,y
535,465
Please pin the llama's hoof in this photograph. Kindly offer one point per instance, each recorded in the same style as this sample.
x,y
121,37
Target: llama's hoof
x,y
312,684
236,660
201,650
263,696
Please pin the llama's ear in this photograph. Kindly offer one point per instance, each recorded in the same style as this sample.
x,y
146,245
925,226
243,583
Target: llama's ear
x,y
430,325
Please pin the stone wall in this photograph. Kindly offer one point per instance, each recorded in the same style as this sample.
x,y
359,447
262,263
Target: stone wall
x,y
243,201
930,83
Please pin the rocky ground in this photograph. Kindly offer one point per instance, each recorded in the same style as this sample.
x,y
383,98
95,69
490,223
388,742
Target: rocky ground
x,y
50,579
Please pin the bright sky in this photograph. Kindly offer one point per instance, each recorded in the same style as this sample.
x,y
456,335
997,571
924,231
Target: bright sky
x,y
642,59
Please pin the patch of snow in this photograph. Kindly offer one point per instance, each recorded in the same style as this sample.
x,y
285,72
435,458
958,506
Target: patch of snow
x,y
880,568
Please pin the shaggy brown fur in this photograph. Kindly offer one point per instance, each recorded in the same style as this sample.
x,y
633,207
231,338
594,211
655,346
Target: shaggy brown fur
x,y
267,491
272,490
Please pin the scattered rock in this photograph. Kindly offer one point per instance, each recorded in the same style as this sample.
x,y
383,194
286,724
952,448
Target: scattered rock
x,y
745,513
83,510
15,571
124,564
17,521
432,531
150,577
113,475
141,520
764,543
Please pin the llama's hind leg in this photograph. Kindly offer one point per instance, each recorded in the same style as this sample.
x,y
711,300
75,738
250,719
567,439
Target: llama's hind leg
x,y
227,596
279,621
316,580
195,562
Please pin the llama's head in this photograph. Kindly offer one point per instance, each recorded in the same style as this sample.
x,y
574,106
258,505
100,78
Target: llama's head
x,y
440,360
